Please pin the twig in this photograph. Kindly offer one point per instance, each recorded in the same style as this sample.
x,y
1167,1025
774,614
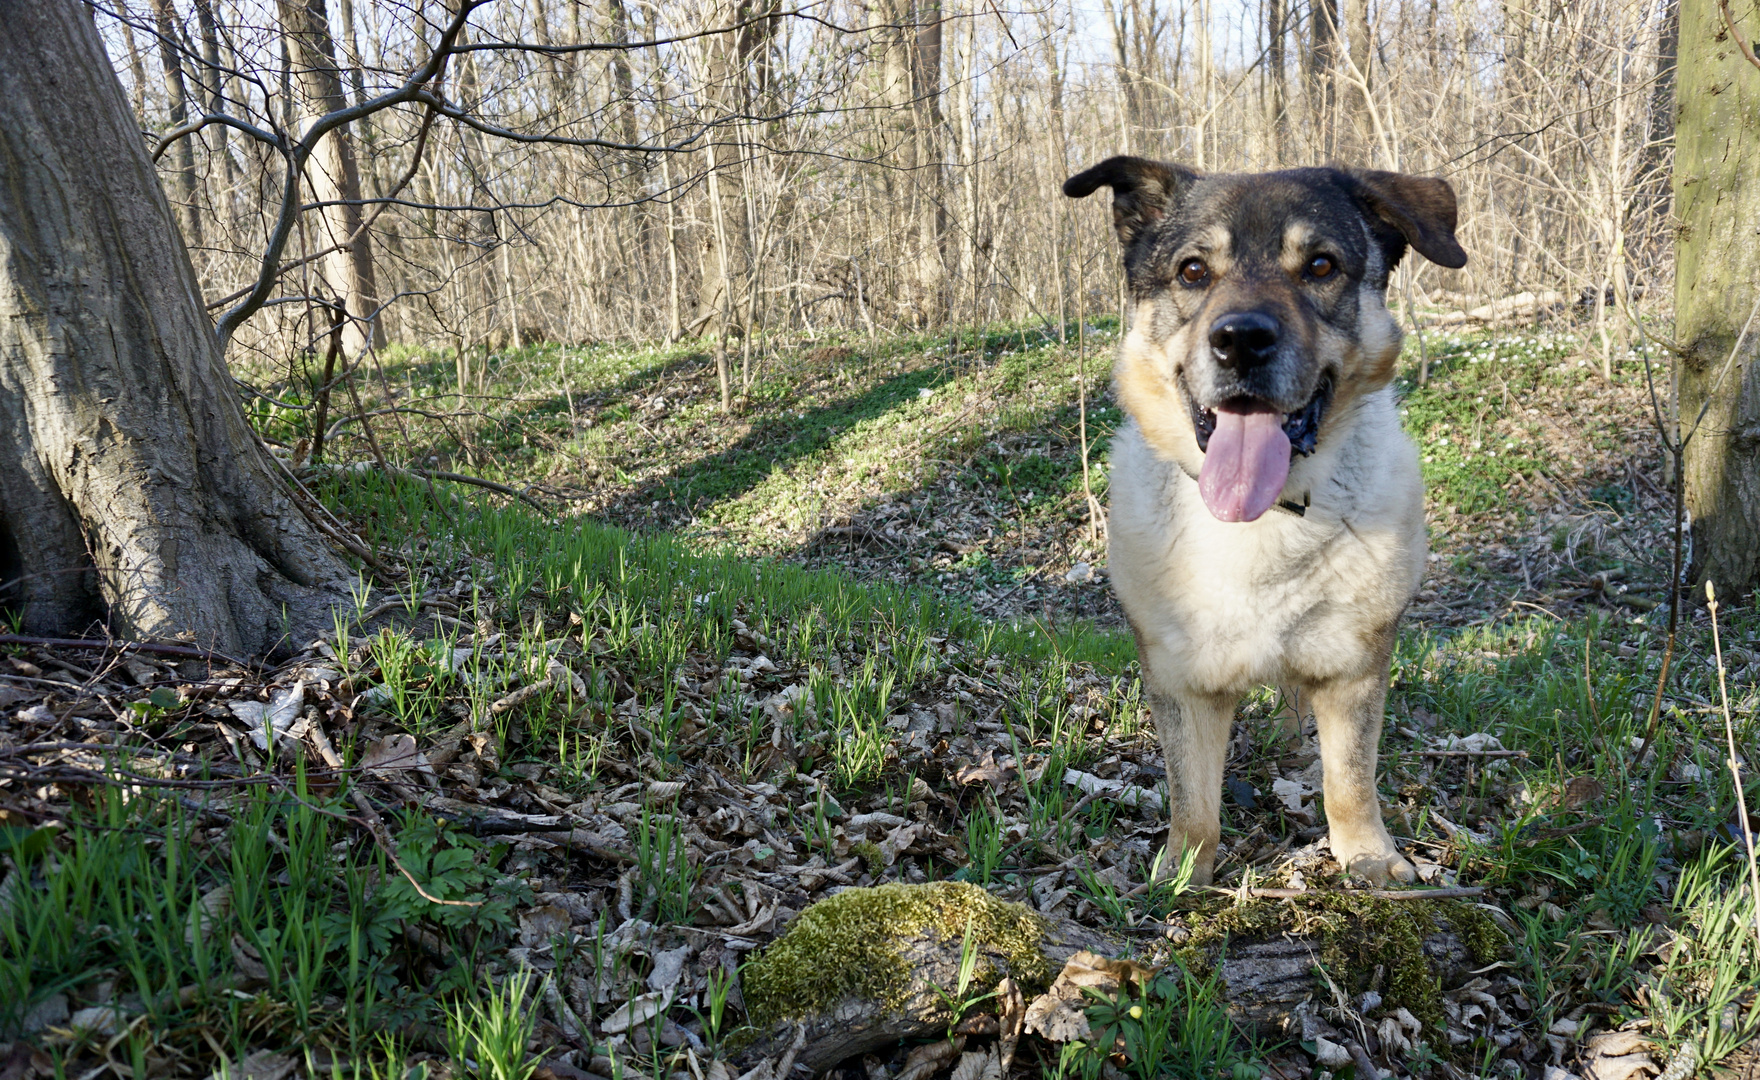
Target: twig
x,y
1735,35
477,481
1456,893
189,651
1735,768
1474,753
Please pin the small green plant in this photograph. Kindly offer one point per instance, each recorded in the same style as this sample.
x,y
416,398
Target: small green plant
x,y
983,846
663,869
153,708
719,987
1174,1026
961,1000
488,1039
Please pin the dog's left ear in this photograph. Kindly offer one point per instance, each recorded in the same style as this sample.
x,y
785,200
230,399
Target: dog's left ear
x,y
1142,191
1422,208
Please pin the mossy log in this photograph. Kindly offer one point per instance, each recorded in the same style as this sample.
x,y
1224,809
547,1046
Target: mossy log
x,y
868,967
865,968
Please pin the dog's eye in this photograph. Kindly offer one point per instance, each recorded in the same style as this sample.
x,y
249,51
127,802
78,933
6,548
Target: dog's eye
x,y
1321,266
1193,271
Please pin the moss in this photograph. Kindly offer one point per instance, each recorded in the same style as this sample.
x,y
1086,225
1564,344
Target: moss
x,y
1485,940
850,946
1355,935
870,854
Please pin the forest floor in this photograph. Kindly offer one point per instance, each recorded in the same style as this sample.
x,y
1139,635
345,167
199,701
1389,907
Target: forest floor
x,y
591,742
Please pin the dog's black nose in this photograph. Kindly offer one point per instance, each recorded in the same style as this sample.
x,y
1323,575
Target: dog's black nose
x,y
1245,339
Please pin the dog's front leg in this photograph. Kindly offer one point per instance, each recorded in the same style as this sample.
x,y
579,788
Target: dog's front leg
x,y
1194,744
1348,713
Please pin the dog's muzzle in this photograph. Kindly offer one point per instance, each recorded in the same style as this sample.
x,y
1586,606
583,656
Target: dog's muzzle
x,y
1302,426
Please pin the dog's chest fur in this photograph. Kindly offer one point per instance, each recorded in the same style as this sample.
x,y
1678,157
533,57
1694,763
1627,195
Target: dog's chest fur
x,y
1283,598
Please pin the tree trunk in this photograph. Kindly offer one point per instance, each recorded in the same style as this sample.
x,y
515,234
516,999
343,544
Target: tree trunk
x,y
177,97
1359,138
132,491
1320,66
333,175
1276,79
1717,290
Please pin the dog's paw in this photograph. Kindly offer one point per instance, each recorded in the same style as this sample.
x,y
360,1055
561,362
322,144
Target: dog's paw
x,y
1379,864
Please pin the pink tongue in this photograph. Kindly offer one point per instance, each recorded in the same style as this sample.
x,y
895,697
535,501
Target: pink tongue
x,y
1245,465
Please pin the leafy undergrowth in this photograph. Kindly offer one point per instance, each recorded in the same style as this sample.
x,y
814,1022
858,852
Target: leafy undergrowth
x,y
587,774
955,463
529,810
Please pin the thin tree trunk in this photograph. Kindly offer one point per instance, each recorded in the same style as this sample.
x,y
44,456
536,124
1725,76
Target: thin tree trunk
x,y
177,95
1717,291
334,176
1277,85
151,508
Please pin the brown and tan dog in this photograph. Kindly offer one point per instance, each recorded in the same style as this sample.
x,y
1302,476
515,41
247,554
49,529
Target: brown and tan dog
x,y
1267,511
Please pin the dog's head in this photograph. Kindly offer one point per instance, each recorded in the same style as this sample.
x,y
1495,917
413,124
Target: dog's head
x,y
1259,311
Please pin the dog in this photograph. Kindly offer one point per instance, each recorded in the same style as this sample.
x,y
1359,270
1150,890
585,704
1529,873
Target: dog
x,y
1266,521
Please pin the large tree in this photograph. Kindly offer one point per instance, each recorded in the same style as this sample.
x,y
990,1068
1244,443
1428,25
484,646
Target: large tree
x,y
1717,286
133,493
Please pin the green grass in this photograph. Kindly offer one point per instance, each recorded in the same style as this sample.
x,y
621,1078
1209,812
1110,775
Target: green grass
x,y
254,931
327,944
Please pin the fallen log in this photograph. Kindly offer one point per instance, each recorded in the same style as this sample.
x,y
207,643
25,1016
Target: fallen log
x,y
866,968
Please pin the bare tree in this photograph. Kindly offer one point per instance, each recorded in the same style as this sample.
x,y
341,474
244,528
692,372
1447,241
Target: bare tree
x,y
133,494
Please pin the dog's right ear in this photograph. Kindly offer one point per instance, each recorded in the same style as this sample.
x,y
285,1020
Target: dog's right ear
x,y
1143,191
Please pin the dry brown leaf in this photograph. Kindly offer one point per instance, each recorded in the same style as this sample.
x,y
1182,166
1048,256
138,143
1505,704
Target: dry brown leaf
x,y
1012,1018
986,771
1581,791
538,925
1616,1043
1060,1014
926,1061
393,753
635,1012
262,1065
1624,1067
978,1065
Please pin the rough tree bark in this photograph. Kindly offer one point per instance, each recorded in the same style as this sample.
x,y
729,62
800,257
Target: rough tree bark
x,y
132,490
1717,288
335,177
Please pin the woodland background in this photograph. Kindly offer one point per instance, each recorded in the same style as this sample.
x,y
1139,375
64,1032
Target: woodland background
x,y
627,169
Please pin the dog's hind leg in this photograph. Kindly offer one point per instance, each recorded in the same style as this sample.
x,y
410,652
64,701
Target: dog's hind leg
x,y
1194,746
1348,714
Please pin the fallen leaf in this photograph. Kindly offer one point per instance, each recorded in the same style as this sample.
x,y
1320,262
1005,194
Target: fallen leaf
x,y
635,1012
978,1065
262,1065
278,717
1117,790
986,771
393,753
1060,1014
538,925
1581,791
668,968
1011,1018
926,1061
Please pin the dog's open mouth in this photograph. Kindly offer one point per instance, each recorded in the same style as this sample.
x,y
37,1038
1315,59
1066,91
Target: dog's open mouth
x,y
1248,447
